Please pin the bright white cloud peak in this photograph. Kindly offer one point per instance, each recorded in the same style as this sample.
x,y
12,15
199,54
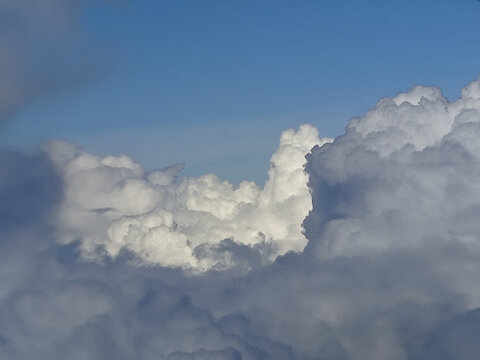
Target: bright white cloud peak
x,y
111,204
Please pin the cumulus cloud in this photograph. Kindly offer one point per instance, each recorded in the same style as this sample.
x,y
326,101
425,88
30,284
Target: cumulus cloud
x,y
389,269
111,205
402,176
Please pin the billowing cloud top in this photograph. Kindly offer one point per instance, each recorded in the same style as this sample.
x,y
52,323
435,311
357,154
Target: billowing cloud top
x,y
403,175
97,256
111,205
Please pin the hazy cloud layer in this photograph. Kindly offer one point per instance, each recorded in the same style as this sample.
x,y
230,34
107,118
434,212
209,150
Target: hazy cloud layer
x,y
41,50
389,271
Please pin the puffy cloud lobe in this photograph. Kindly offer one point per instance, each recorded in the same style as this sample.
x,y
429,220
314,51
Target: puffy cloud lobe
x,y
403,175
112,205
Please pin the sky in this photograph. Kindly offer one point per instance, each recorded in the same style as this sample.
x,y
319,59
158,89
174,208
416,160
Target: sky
x,y
157,79
223,180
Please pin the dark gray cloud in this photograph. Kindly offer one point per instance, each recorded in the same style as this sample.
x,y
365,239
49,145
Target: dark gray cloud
x,y
455,338
29,188
390,270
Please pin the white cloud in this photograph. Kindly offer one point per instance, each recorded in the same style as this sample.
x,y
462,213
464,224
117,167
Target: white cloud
x,y
111,205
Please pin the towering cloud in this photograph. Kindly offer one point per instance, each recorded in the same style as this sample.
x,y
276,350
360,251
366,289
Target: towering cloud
x,y
396,198
100,259
403,176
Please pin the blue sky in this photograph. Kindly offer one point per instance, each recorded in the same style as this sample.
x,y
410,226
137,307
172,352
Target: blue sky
x,y
213,83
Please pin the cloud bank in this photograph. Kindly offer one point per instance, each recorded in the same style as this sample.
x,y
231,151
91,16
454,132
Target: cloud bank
x,y
101,260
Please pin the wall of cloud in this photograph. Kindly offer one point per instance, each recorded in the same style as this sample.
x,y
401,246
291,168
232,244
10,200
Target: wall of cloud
x,y
376,258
